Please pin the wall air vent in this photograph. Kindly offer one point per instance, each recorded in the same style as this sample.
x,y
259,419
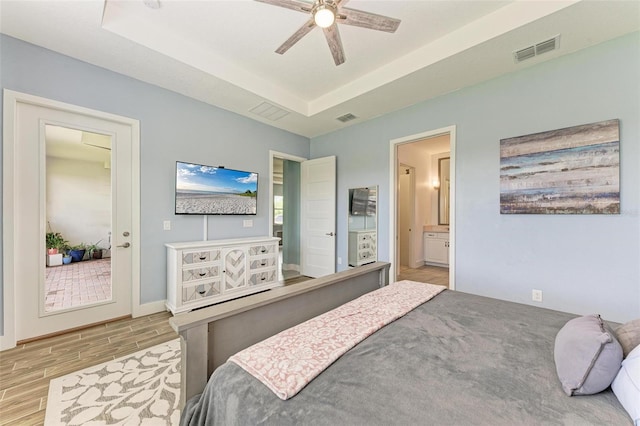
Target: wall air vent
x,y
537,49
525,54
152,4
346,117
269,111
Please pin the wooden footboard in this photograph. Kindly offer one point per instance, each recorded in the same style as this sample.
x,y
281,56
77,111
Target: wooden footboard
x,y
208,336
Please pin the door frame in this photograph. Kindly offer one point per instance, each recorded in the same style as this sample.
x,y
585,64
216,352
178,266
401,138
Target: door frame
x,y
272,155
393,197
412,214
284,156
9,135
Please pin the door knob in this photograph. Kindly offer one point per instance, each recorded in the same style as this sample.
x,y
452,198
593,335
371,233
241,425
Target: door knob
x,y
125,245
329,234
125,234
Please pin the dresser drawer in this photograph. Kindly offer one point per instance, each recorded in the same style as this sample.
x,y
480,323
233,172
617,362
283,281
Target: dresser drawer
x,y
265,262
365,255
365,237
200,273
260,250
264,277
195,257
201,291
438,235
366,245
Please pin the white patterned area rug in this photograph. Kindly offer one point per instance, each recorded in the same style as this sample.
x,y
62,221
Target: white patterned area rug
x,y
139,389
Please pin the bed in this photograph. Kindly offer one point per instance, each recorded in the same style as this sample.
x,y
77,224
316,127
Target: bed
x,y
456,359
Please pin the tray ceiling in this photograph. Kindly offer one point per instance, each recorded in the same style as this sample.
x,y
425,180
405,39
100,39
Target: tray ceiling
x,y
222,52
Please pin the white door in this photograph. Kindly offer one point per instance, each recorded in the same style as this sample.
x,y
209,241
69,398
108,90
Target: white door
x,y
235,269
318,216
29,224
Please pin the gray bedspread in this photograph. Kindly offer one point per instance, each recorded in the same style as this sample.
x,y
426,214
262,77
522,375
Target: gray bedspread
x,y
458,359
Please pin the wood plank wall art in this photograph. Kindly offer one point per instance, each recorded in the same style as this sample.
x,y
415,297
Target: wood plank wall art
x,y
575,170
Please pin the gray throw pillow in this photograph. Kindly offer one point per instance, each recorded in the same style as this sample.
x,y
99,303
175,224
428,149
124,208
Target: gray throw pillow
x,y
628,335
587,356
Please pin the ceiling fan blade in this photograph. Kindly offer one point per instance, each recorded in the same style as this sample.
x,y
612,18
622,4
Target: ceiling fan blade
x,y
302,31
300,6
358,18
335,43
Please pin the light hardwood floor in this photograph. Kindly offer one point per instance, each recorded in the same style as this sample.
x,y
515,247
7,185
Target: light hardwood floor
x,y
425,274
25,371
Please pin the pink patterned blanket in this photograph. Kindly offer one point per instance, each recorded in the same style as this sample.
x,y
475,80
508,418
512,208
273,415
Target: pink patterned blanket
x,y
288,361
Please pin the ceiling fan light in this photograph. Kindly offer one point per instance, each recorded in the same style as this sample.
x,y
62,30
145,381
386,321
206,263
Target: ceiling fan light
x,y
324,17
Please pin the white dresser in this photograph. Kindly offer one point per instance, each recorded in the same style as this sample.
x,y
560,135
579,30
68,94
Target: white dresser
x,y
362,247
436,248
202,273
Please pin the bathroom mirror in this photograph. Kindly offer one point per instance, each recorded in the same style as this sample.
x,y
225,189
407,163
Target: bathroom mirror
x,y
444,191
363,225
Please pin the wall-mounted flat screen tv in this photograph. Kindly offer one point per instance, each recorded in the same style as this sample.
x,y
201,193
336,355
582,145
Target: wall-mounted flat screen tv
x,y
207,190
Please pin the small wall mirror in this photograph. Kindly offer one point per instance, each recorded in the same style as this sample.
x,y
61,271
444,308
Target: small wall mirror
x,y
363,225
444,191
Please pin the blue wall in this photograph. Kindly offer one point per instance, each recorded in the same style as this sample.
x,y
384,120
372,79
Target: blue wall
x,y
583,264
291,228
173,127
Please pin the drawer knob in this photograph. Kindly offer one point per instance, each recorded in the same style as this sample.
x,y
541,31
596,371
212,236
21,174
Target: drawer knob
x,y
202,274
202,292
263,263
203,257
263,250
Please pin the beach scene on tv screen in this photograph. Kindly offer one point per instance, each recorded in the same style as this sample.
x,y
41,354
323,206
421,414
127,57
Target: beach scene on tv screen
x,y
214,190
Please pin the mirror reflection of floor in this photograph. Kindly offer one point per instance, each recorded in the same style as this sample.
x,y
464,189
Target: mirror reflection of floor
x,y
297,279
289,276
425,274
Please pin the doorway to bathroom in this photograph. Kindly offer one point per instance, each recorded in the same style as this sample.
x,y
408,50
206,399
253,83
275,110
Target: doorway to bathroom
x,y
422,207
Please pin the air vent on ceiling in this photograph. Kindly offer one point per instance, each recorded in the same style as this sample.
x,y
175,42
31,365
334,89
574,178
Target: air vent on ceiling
x,y
269,111
152,4
537,49
346,117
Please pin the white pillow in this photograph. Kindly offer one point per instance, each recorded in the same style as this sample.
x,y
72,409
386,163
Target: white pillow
x,y
626,385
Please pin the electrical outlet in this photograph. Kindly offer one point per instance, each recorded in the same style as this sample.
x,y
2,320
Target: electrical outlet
x,y
536,295
339,261
166,225
248,223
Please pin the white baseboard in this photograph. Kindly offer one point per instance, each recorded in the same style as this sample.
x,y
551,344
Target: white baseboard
x,y
149,308
290,267
7,342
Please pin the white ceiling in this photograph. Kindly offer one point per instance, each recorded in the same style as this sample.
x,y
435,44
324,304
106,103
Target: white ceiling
x,y
73,144
222,52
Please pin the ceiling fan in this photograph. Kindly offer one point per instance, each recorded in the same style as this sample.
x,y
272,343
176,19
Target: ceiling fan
x,y
326,14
